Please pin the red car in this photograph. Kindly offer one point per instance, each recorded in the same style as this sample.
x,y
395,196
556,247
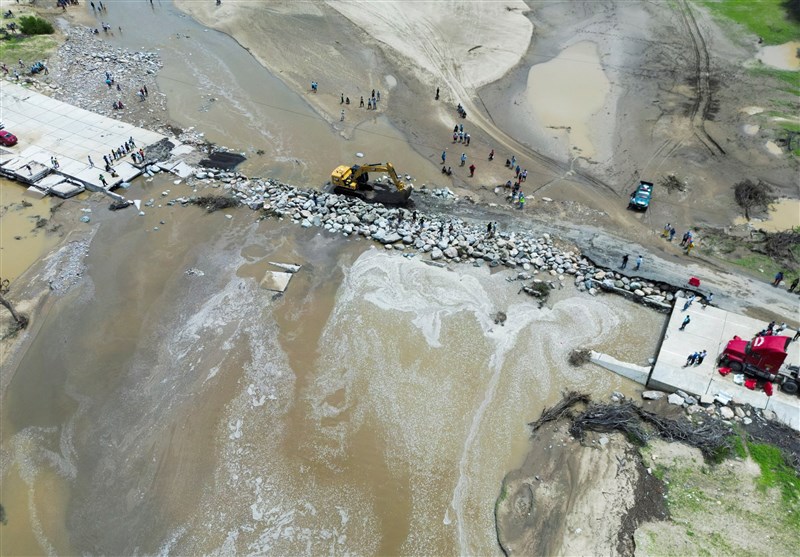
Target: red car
x,y
7,139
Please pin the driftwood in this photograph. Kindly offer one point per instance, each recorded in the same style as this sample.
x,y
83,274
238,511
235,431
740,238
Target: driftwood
x,y
561,409
579,357
781,244
712,438
214,202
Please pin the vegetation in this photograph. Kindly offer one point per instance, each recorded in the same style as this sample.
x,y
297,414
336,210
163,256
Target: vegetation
x,y
29,49
789,78
775,472
763,263
34,25
775,21
751,195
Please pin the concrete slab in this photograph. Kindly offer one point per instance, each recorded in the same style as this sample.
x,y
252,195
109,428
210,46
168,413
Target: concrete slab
x,y
65,190
71,134
34,193
710,329
625,369
274,280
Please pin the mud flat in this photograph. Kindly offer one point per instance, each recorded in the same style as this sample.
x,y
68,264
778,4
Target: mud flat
x,y
566,92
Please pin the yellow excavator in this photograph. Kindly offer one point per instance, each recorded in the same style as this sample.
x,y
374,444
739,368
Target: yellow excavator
x,y
354,180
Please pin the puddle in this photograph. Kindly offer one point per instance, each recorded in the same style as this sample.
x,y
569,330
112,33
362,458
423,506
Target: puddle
x,y
783,215
567,91
751,129
773,148
783,56
753,110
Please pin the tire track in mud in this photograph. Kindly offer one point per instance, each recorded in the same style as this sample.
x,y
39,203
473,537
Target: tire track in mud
x,y
452,76
702,70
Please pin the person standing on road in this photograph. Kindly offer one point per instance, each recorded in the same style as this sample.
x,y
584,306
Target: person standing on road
x,y
471,170
639,261
686,321
437,94
672,233
700,357
688,303
463,159
491,155
778,279
91,162
444,156
691,359
624,261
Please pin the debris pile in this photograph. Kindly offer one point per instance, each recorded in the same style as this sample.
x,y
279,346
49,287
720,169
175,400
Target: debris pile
x,y
78,76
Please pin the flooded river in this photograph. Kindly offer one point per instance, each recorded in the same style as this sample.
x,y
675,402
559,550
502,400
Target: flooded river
x,y
373,408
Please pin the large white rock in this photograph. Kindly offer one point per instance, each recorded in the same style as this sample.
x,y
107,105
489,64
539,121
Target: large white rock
x,y
451,252
676,399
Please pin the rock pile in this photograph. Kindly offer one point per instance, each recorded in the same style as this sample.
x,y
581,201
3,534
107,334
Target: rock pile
x,y
443,239
719,407
660,297
538,262
78,73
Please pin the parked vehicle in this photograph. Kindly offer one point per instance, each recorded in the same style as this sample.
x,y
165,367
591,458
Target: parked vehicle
x,y
763,358
640,199
8,139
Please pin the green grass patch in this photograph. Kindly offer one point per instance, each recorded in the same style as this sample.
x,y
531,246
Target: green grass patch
x,y
739,448
503,494
767,19
792,79
757,261
775,471
29,49
789,126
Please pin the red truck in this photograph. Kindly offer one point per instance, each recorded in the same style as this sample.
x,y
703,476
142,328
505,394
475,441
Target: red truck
x,y
762,357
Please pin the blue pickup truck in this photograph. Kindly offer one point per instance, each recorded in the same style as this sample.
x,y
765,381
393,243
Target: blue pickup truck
x,y
640,199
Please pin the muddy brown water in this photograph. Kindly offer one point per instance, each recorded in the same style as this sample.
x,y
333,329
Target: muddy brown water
x,y
21,242
373,408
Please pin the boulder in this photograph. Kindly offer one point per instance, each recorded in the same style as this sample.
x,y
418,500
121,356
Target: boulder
x,y
451,252
676,399
726,413
653,395
436,253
